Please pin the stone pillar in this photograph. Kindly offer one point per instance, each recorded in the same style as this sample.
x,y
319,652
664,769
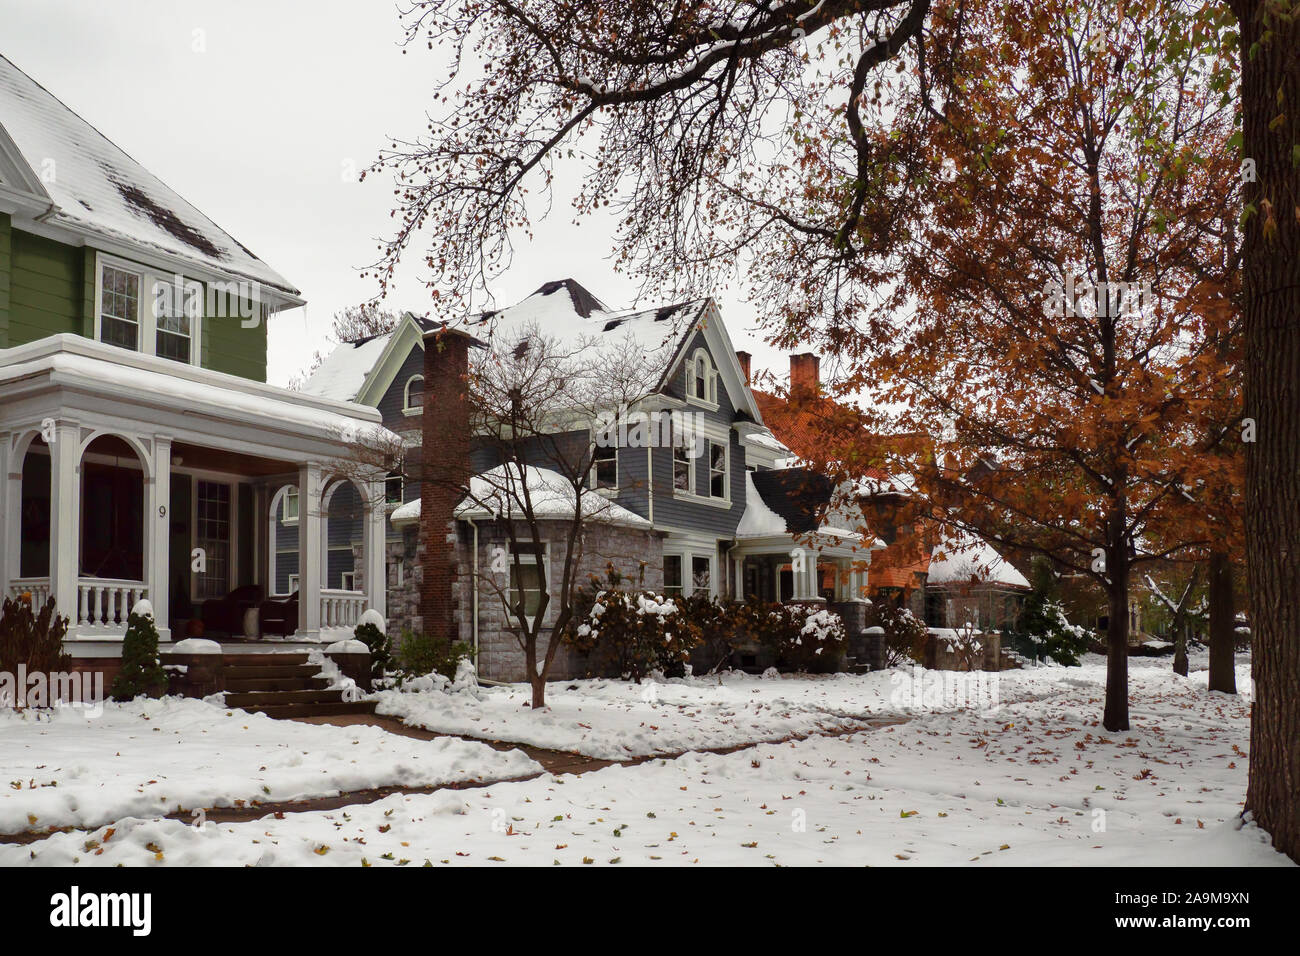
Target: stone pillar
x,y
65,519
309,549
157,544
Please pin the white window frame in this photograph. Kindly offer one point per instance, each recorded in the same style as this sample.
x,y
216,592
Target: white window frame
x,y
511,620
713,572
683,587
146,321
407,407
400,478
710,397
348,581
286,519
592,480
691,494
292,585
232,544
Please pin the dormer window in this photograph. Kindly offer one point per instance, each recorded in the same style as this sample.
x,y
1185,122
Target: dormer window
x,y
702,382
413,403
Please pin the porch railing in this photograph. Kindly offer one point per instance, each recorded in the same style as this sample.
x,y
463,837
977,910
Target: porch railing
x,y
106,604
340,608
38,588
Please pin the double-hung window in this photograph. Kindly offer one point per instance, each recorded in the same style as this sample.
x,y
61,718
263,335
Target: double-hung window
x,y
394,488
119,310
604,467
148,312
717,470
527,578
682,469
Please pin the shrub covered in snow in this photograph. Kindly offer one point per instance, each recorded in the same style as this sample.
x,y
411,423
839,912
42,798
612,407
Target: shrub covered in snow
x,y
142,672
371,633
905,634
1044,633
804,637
419,655
630,632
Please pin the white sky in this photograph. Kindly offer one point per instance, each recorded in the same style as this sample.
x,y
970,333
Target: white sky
x,y
260,128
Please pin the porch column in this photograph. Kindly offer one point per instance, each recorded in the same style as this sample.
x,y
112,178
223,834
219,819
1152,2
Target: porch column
x,y
375,536
65,519
309,548
9,515
157,545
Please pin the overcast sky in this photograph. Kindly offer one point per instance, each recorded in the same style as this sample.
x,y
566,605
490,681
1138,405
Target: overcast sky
x,y
260,113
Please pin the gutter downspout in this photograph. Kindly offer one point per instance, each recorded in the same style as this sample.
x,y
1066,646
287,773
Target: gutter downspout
x,y
650,481
474,591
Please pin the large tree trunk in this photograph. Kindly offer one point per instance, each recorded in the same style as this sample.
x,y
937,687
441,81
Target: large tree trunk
x,y
1180,647
1223,614
1270,90
1116,714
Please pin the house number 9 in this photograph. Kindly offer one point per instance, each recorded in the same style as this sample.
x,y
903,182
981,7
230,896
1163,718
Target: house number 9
x,y
162,511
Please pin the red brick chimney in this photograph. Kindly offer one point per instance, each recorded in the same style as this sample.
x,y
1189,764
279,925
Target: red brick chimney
x,y
744,358
446,471
805,371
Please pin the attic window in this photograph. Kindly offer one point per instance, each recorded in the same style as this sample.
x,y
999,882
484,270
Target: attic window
x,y
413,402
702,381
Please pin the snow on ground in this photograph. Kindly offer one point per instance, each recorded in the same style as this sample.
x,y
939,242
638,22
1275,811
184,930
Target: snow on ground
x,y
614,720
1031,783
158,756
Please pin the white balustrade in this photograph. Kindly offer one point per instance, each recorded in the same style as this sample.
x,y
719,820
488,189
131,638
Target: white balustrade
x,y
105,605
38,588
340,608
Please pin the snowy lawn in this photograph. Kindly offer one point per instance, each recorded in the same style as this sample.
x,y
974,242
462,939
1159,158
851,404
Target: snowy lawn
x,y
614,720
158,756
1023,785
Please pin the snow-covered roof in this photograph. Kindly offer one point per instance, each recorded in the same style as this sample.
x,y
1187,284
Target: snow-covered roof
x,y
344,371
499,492
565,310
758,520
967,557
94,185
765,439
85,364
796,516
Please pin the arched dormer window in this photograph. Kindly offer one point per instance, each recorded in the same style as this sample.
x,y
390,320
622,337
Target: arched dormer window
x,y
413,403
702,380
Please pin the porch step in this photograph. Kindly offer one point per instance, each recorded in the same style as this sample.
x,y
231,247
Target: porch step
x,y
271,671
248,685
286,711
270,697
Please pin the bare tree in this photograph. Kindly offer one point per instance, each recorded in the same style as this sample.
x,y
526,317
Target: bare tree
x,y
541,408
355,322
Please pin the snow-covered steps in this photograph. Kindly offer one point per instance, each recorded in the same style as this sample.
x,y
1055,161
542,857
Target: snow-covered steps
x,y
286,685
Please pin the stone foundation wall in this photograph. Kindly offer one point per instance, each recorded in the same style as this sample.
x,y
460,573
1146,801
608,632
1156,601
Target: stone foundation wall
x,y
638,554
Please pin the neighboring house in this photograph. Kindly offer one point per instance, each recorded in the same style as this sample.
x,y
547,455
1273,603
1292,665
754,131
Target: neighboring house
x,y
721,522
946,583
142,455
